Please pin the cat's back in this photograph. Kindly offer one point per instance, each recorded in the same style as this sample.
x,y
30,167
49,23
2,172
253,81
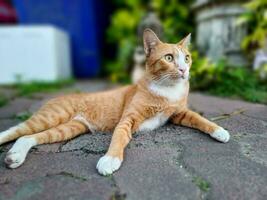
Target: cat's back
x,y
116,93
113,96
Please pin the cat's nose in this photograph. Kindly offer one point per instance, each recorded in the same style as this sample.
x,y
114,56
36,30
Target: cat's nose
x,y
182,70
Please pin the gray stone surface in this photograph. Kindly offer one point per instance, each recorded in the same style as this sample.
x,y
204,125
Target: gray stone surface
x,y
8,93
7,123
169,163
55,176
15,107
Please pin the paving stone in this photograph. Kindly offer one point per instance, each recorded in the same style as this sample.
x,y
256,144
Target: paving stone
x,y
37,105
16,106
95,143
93,86
230,174
258,112
243,124
155,173
49,147
254,147
7,92
216,106
59,187
55,176
7,123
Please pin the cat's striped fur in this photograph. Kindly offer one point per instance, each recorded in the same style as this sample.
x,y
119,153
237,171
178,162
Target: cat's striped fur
x,y
160,95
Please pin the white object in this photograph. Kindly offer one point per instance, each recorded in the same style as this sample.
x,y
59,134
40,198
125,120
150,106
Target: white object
x,y
221,135
33,53
108,164
172,93
17,154
153,122
260,59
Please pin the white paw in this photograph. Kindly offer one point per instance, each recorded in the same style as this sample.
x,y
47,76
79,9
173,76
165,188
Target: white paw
x,y
221,135
108,164
17,154
14,159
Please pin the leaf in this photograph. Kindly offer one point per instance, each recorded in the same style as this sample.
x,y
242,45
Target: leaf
x,y
227,115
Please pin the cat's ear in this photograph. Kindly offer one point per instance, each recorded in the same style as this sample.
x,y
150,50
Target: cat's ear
x,y
150,40
185,42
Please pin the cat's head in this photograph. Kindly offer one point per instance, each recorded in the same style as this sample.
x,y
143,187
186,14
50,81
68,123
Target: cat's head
x,y
166,63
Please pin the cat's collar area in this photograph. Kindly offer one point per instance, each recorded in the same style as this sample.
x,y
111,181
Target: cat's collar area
x,y
173,93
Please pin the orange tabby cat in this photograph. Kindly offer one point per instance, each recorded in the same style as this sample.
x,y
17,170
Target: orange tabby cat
x,y
161,95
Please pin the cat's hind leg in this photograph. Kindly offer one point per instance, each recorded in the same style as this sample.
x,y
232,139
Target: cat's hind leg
x,y
17,154
12,133
50,115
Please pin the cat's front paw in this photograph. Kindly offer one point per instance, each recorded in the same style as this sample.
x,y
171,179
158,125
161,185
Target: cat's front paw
x,y
108,164
221,135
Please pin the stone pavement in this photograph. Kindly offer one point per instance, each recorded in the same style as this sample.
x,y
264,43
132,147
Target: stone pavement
x,y
169,163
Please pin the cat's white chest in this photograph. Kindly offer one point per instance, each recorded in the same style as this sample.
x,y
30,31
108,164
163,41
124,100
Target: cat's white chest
x,y
153,122
172,93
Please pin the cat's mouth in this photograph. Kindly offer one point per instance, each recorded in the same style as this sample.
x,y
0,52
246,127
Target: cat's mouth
x,y
171,79
182,76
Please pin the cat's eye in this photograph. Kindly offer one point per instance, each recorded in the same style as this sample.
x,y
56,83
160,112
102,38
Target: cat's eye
x,y
187,58
169,57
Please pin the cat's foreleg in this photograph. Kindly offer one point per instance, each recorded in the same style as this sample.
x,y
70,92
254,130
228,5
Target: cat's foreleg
x,y
194,120
112,160
17,154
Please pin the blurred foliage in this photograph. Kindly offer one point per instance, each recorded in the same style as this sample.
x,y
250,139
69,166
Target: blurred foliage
x,y
26,89
256,18
23,116
202,184
174,15
3,100
223,80
262,72
215,78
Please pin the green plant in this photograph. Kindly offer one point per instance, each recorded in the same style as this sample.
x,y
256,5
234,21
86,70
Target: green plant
x,y
26,89
23,116
215,78
3,101
122,33
1,150
223,80
256,19
123,29
202,184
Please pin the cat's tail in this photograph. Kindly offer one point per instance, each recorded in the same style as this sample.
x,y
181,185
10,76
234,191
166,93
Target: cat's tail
x,y
49,116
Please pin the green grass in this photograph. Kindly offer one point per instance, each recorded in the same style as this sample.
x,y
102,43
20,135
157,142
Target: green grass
x,y
27,89
117,196
23,116
1,150
3,101
64,173
67,174
202,184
